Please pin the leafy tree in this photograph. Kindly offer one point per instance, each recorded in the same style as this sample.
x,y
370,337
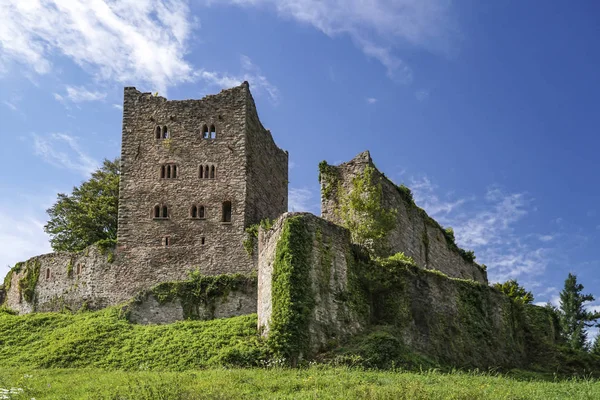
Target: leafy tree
x,y
574,317
89,214
515,291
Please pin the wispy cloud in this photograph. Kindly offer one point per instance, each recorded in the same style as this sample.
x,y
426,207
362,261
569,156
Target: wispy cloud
x,y
22,228
80,94
10,105
487,224
250,72
422,94
371,100
377,27
63,151
125,41
301,199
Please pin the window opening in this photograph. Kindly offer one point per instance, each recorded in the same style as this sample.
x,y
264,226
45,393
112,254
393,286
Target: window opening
x,y
165,132
213,132
194,212
201,212
212,172
226,215
156,212
165,212
205,132
157,130
47,273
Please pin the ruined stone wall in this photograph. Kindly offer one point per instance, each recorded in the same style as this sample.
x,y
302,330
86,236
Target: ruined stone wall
x,y
454,321
330,319
148,310
267,166
207,243
66,280
415,234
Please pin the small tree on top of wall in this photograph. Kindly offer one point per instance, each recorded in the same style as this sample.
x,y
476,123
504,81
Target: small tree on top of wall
x,y
364,215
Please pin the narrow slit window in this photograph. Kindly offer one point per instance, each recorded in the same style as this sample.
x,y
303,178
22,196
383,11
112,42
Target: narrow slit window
x,y
174,172
165,212
47,273
166,241
205,132
157,130
168,172
226,214
203,240
212,172
201,171
156,211
163,172
201,212
213,132
206,172
194,212
165,132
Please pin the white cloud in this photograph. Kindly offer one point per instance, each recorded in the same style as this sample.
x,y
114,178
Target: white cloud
x,y
10,105
63,151
22,228
422,94
250,72
79,94
487,226
118,106
371,100
377,27
125,41
301,199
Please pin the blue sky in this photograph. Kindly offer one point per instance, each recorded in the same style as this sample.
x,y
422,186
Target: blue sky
x,y
489,112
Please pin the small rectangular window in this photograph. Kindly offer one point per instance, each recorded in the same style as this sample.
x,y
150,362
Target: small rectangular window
x,y
203,240
166,242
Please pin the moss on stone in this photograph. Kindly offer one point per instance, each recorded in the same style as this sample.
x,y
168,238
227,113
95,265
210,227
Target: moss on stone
x,y
252,234
329,177
200,291
292,297
29,280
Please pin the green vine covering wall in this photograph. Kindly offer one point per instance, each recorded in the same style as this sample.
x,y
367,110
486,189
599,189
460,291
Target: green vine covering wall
x,y
29,280
252,234
329,179
364,215
200,290
292,296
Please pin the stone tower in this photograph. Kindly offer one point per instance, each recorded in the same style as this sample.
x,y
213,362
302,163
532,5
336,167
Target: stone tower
x,y
195,174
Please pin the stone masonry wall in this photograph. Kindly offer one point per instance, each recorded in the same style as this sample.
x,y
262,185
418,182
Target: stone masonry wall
x,y
454,321
209,244
330,319
89,282
267,165
415,234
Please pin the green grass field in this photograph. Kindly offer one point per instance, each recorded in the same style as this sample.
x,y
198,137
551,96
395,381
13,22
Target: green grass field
x,y
100,355
276,383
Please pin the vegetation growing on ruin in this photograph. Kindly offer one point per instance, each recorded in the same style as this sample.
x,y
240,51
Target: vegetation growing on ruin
x,y
14,270
252,234
200,291
516,292
363,213
292,297
106,339
329,179
29,279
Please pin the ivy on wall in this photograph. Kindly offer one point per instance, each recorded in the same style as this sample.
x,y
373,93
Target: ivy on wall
x,y
362,212
292,297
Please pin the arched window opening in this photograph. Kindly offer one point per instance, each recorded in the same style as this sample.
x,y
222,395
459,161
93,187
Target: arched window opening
x,y
212,172
205,132
168,172
157,130
47,273
201,172
194,212
226,214
174,171
156,211
165,132
206,172
201,212
213,132
165,212
163,172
